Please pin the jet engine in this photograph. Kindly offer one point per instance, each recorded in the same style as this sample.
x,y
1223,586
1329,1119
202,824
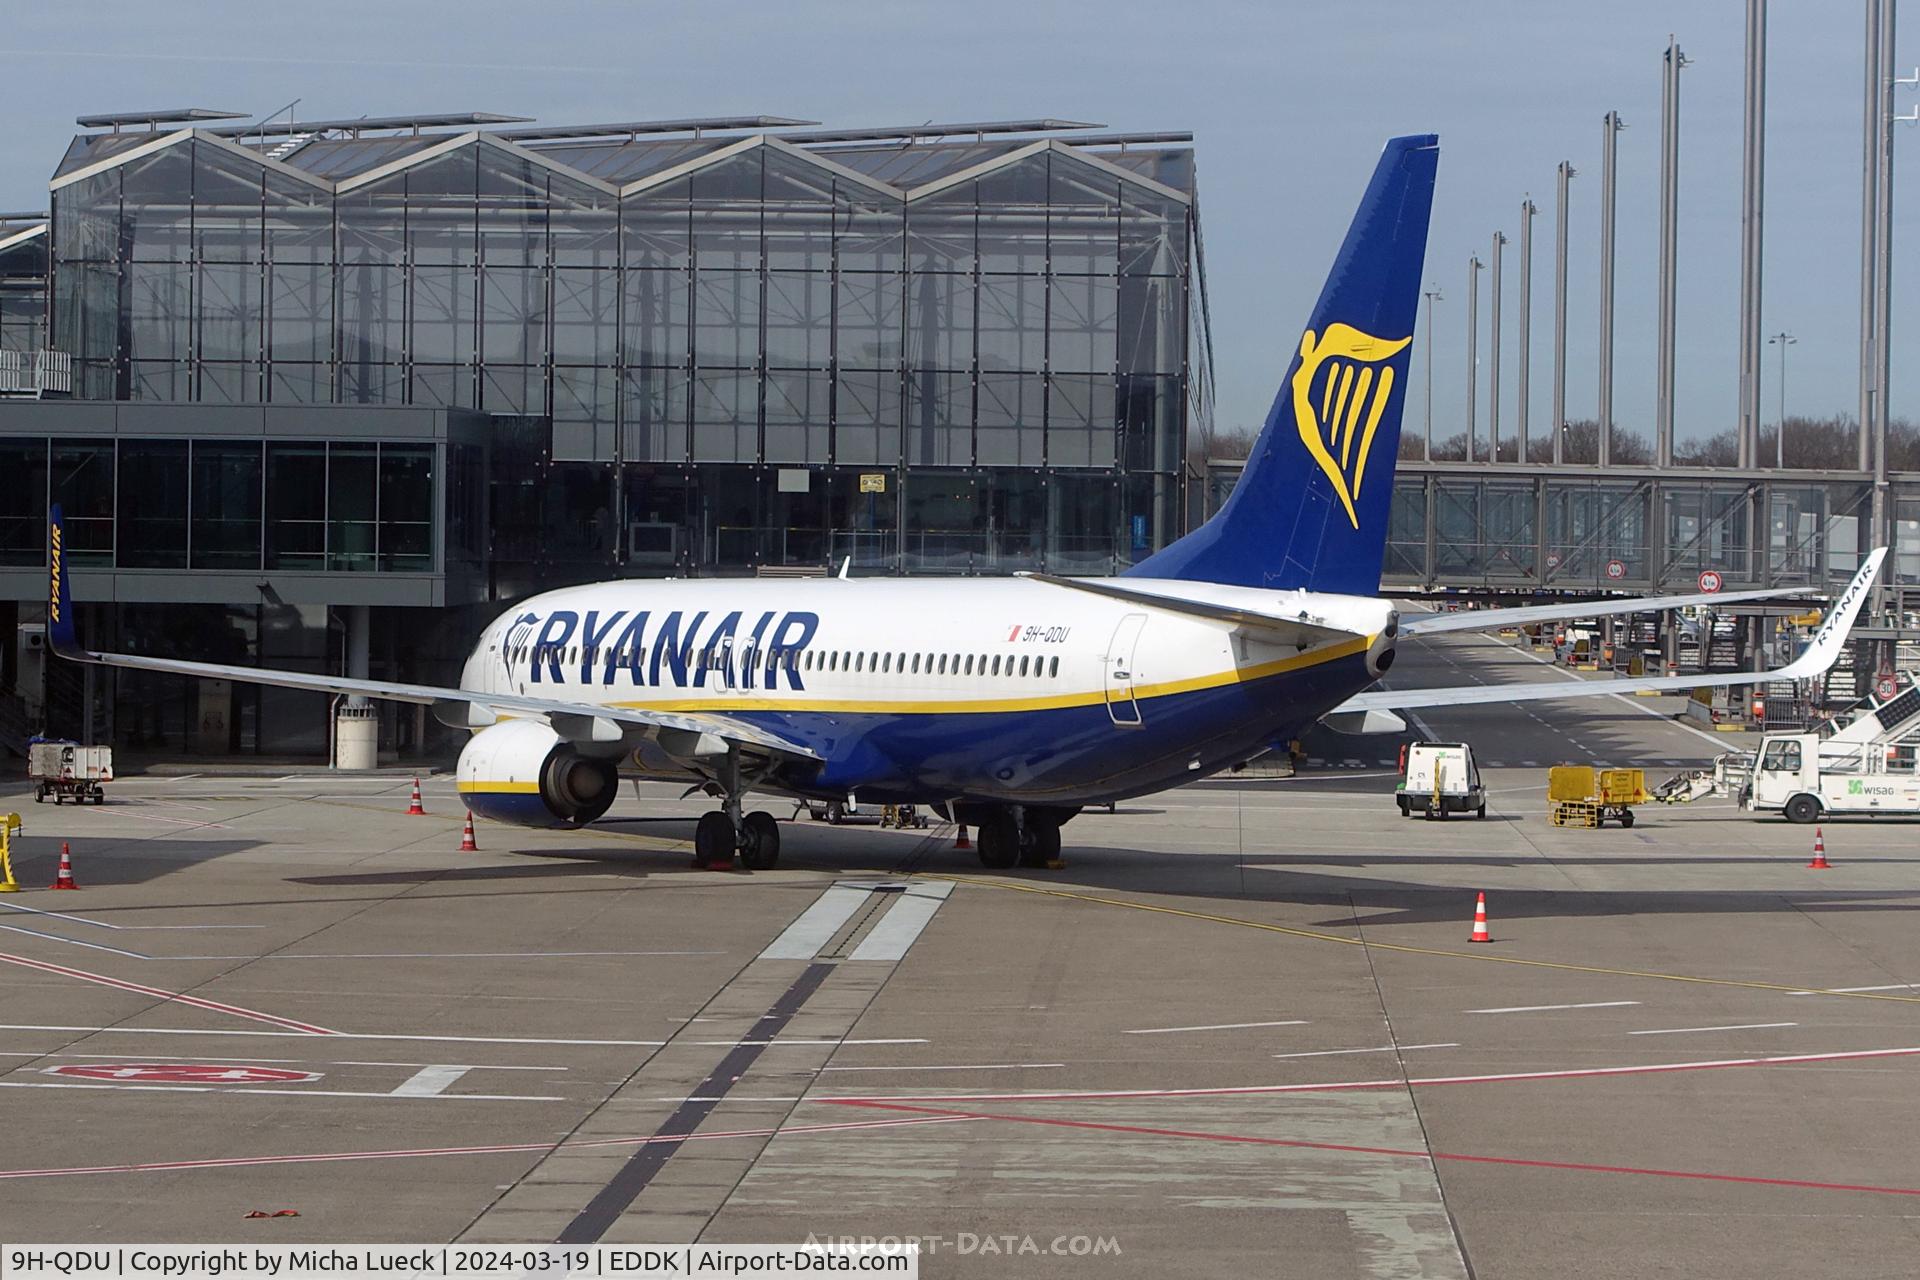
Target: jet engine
x,y
521,771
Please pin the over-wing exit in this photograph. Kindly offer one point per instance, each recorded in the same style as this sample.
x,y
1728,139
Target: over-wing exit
x,y
1007,703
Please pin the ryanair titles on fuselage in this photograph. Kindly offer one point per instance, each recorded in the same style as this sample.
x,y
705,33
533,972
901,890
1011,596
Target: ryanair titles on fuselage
x,y
682,648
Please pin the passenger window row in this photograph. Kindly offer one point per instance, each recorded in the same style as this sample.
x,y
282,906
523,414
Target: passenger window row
x,y
857,662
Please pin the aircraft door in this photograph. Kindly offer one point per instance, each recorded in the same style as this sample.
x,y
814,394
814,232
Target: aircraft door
x,y
1120,671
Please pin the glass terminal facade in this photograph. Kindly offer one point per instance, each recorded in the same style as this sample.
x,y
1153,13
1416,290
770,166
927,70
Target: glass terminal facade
x,y
352,389
700,355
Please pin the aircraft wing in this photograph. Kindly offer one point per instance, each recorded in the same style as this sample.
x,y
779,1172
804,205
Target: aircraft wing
x,y
578,722
1274,626
1818,656
1527,615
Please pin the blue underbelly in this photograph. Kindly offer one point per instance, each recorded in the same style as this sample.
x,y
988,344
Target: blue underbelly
x,y
1063,755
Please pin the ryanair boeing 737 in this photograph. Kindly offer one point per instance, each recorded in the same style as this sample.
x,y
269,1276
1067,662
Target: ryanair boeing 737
x,y
1005,703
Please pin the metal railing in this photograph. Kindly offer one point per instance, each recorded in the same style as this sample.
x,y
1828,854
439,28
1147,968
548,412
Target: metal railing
x,y
36,373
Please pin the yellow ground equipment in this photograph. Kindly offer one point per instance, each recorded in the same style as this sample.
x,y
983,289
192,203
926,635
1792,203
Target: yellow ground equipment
x,y
1579,795
9,823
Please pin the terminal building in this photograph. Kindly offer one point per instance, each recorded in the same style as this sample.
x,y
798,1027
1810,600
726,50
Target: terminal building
x,y
329,396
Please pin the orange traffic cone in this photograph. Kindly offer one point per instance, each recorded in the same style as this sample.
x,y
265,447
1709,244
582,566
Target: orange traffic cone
x,y
414,806
466,836
64,879
961,841
1819,862
1480,933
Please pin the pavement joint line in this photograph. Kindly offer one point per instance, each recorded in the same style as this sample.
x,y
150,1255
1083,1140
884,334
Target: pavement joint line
x,y
383,1035
1401,948
1396,1082
175,997
1401,1152
639,1170
503,1148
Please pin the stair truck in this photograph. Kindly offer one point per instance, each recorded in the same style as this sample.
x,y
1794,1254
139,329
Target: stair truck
x,y
1866,766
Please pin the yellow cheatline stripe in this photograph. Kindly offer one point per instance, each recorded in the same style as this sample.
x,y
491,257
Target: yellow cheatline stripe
x,y
1402,948
498,788
957,706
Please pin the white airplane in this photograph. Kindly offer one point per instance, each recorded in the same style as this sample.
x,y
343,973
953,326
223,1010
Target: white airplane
x,y
1006,703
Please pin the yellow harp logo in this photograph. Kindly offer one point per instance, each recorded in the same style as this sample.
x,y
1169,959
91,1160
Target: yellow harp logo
x,y
1340,392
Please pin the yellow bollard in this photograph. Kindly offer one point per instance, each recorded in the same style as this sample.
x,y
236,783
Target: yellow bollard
x,y
9,823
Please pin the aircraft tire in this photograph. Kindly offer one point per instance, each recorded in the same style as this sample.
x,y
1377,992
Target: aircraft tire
x,y
999,842
1042,844
762,852
713,839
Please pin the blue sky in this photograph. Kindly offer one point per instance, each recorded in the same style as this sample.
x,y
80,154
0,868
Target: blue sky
x,y
1288,102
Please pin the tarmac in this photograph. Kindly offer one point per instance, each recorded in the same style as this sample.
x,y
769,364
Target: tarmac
x,y
1242,1032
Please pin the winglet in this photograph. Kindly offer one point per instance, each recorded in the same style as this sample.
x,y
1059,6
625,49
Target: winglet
x,y
60,633
1824,649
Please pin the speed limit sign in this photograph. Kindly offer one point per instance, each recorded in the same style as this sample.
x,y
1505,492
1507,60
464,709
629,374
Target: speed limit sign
x,y
1616,569
1710,580
1884,688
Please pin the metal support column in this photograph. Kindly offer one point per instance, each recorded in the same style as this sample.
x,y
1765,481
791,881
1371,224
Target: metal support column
x,y
1669,229
1609,148
1473,347
1559,423
1869,230
1493,368
1752,196
1525,388
1883,294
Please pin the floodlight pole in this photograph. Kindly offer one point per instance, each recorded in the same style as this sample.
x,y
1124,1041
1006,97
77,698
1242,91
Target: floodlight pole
x,y
1669,248
1752,196
1494,336
1473,347
1783,340
1525,391
1432,296
1609,149
1559,428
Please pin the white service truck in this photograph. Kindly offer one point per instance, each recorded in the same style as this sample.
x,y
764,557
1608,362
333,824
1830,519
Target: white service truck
x,y
1807,778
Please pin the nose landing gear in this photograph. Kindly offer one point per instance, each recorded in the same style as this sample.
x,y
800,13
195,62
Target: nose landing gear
x,y
722,834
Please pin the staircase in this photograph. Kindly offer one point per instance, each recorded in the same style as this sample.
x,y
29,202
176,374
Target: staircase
x,y
293,144
1842,681
1723,649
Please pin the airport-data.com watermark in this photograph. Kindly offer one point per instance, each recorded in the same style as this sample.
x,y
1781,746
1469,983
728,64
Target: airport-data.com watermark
x,y
979,1244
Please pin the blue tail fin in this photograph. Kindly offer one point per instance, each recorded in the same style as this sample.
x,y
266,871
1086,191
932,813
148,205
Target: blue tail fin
x,y
1310,510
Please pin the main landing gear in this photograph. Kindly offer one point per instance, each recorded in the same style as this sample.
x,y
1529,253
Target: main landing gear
x,y
1021,836
720,835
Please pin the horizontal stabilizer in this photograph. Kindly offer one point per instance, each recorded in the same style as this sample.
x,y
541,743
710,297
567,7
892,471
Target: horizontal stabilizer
x,y
1609,606
1272,626
1820,654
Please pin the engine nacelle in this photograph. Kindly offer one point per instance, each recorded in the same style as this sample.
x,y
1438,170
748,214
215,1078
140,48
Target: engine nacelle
x,y
521,771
